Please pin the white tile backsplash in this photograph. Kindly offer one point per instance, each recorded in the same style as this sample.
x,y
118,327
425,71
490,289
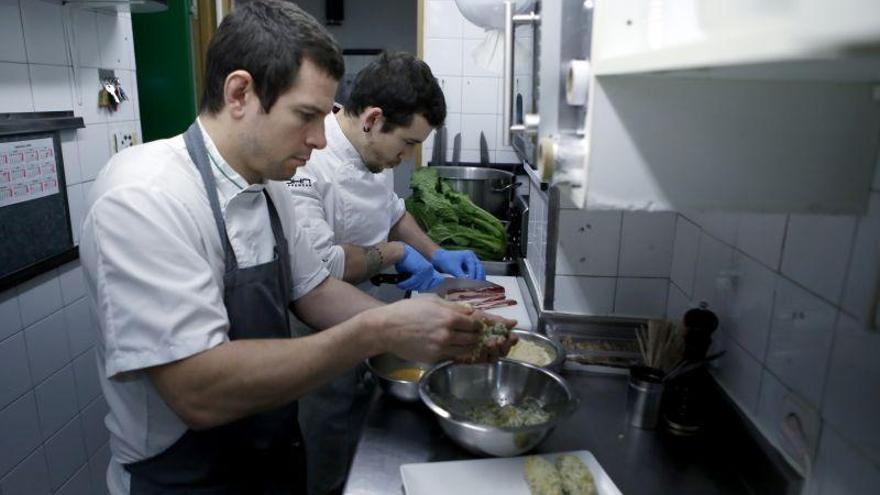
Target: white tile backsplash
x,y
70,276
39,297
56,401
65,453
86,32
112,41
738,372
51,88
719,224
760,235
70,155
10,315
586,295
451,92
44,32
851,403
19,431
47,348
11,36
685,251
76,203
44,387
443,56
816,252
78,484
862,286
94,149
714,266
841,469
589,243
677,303
750,306
644,297
480,95
98,466
646,244
16,95
81,330
85,371
471,127
800,340
94,432
31,477
15,377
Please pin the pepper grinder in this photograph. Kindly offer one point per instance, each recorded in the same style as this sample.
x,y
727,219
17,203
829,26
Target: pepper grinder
x,y
684,403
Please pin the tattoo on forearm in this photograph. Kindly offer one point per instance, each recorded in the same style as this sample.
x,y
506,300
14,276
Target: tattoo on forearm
x,y
373,260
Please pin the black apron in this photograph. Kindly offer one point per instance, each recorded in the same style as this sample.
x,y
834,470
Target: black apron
x,y
259,454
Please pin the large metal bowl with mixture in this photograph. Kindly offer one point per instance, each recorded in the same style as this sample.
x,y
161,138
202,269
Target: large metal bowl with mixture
x,y
453,390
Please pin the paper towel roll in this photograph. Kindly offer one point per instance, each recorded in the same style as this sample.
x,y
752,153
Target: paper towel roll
x,y
546,158
577,82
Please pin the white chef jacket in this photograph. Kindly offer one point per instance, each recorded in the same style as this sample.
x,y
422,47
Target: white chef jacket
x,y
154,267
339,201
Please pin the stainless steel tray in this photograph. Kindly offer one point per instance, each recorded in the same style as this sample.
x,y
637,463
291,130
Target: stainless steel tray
x,y
603,344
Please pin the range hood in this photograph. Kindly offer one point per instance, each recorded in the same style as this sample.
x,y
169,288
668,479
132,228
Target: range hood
x,y
133,6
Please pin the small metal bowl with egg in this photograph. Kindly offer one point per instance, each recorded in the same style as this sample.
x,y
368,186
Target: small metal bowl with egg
x,y
536,349
398,377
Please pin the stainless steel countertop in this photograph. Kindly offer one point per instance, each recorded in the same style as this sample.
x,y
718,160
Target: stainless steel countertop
x,y
639,461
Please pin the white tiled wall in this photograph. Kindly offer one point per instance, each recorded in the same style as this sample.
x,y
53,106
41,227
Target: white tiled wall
x,y
795,295
52,433
473,93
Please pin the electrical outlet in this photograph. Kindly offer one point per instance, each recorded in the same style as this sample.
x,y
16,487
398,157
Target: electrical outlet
x,y
123,139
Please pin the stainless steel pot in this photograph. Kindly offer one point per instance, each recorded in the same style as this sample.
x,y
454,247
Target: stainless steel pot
x,y
490,189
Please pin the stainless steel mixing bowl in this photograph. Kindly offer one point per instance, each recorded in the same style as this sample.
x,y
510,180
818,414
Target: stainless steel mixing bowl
x,y
554,348
449,388
384,364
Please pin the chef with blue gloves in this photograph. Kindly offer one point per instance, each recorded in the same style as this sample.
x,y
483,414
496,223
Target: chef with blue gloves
x,y
345,196
345,202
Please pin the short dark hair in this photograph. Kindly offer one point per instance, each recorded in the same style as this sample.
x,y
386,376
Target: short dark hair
x,y
402,86
269,39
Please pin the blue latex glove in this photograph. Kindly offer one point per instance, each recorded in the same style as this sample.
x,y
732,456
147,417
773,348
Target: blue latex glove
x,y
423,276
459,264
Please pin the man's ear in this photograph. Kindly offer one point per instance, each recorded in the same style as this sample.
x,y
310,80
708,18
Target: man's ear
x,y
238,90
371,117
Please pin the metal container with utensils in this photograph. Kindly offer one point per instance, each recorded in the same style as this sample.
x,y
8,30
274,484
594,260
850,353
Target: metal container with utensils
x,y
490,189
644,396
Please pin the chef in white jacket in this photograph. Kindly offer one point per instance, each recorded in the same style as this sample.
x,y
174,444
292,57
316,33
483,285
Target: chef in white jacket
x,y
345,202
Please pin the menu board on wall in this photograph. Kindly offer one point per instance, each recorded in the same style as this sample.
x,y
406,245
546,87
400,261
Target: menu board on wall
x,y
35,231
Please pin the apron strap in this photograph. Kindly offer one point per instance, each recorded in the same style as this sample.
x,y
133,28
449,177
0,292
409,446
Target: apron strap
x,y
198,153
282,250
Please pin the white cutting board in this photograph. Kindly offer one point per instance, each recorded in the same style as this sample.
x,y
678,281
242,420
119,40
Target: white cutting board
x,y
517,312
503,475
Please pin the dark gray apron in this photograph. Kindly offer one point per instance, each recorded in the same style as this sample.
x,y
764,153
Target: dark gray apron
x,y
259,454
